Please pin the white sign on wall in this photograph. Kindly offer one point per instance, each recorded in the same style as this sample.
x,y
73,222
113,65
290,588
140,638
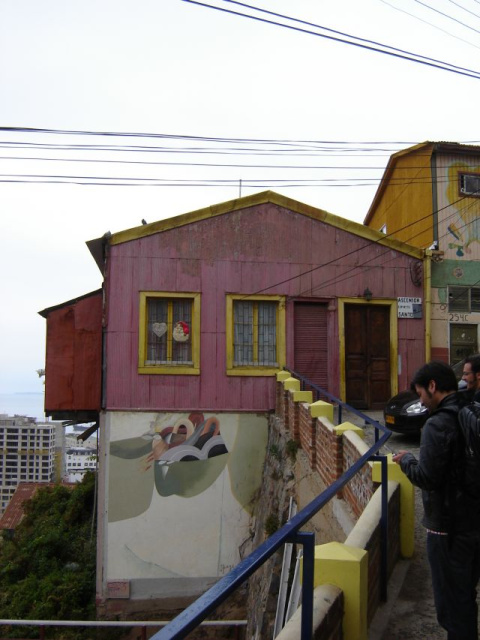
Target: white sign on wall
x,y
409,307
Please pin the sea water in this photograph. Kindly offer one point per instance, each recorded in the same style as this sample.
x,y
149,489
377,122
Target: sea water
x,y
23,404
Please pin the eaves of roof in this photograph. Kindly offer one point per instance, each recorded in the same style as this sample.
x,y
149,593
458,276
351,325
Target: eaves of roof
x,y
452,148
45,312
264,197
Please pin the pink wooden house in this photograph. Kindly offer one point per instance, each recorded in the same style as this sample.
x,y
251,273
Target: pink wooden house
x,y
200,312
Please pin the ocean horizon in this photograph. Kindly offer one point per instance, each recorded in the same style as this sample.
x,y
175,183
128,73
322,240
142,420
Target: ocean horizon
x,y
23,403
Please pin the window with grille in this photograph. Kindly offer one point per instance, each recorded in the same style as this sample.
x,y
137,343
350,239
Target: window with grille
x,y
255,334
469,184
169,333
464,299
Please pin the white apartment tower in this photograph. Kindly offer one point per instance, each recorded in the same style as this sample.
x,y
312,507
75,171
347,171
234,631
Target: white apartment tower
x,y
29,452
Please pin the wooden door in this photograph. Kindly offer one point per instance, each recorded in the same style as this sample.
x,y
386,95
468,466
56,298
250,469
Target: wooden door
x,y
367,355
310,342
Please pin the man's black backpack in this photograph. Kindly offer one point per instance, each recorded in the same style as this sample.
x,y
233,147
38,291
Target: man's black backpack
x,y
469,420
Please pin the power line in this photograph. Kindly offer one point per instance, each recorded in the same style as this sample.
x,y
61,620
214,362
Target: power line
x,y
412,15
366,246
347,35
457,4
445,15
411,57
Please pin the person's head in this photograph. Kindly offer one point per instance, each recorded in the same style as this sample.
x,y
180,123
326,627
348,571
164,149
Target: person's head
x,y
433,382
471,372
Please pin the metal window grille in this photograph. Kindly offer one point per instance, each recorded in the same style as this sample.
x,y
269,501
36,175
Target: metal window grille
x,y
163,314
470,184
254,333
458,299
475,299
243,333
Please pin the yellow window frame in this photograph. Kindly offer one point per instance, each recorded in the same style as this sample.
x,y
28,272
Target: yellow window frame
x,y
249,370
169,369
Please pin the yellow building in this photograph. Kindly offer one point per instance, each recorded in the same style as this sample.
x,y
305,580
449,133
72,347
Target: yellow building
x,y
429,197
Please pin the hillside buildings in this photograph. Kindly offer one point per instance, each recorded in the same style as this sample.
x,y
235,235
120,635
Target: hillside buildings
x,y
30,451
175,361
429,197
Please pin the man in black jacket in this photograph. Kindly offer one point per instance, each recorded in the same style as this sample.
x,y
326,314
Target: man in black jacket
x,y
471,375
453,535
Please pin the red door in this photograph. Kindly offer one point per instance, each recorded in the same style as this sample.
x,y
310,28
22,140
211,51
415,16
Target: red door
x,y
310,342
367,355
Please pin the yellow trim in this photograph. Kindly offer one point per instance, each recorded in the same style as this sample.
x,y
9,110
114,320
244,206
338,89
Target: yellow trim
x,y
388,302
348,426
263,198
407,503
281,348
427,288
322,409
169,369
291,384
347,568
303,396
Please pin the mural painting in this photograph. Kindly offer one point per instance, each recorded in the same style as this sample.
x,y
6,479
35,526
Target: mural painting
x,y
463,225
181,479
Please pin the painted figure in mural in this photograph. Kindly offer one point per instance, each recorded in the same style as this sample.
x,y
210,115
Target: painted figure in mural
x,y
463,220
453,530
188,439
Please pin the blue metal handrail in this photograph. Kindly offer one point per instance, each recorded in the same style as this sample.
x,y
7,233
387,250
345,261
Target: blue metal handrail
x,y
192,616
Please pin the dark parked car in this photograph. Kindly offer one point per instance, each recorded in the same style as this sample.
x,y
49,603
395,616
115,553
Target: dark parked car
x,y
404,413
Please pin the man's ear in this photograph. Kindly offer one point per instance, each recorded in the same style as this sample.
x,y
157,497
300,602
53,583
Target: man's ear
x,y
432,386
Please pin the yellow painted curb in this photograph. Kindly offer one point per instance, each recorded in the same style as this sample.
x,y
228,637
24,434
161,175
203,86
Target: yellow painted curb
x,y
291,384
407,503
321,409
347,568
302,396
348,426
282,375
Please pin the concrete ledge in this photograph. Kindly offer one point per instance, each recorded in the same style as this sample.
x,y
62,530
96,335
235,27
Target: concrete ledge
x,y
356,438
324,598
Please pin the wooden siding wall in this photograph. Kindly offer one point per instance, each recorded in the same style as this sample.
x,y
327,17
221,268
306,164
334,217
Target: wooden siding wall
x,y
264,248
74,357
405,206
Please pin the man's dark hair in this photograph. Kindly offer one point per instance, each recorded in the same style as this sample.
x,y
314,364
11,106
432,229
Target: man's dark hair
x,y
474,362
441,373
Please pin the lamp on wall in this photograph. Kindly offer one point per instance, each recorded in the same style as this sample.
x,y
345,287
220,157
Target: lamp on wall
x,y
367,294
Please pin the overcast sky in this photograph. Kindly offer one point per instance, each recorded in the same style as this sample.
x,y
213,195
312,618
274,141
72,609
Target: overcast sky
x,y
178,69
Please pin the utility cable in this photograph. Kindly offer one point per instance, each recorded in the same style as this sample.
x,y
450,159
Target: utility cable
x,y
443,66
346,35
445,15
412,15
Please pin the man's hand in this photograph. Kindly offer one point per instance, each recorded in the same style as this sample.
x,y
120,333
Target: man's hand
x,y
398,456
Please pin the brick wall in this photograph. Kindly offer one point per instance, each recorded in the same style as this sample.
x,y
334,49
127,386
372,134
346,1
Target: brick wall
x,y
330,454
359,491
307,427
